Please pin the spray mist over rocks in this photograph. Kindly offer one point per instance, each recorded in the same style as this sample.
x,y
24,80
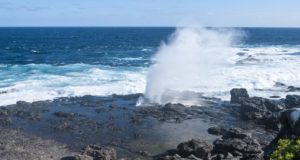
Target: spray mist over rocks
x,y
188,63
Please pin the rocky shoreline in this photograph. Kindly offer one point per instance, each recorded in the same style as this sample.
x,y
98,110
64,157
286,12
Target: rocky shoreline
x,y
111,127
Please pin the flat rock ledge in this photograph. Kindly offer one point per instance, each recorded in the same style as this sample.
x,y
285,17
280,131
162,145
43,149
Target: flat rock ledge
x,y
15,144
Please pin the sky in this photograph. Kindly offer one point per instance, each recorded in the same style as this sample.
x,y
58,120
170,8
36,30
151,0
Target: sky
x,y
215,13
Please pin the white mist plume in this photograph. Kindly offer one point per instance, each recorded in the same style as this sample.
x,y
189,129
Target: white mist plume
x,y
188,62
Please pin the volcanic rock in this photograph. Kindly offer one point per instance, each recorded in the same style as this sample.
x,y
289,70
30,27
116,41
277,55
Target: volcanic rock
x,y
290,120
199,148
238,144
100,153
292,101
217,130
238,94
65,114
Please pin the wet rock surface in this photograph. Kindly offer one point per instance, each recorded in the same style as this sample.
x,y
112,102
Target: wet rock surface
x,y
145,131
65,114
111,121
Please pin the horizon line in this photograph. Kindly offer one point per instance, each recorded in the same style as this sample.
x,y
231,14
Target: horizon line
x,y
62,26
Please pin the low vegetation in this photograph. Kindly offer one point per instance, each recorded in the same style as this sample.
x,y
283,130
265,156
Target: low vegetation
x,y
287,150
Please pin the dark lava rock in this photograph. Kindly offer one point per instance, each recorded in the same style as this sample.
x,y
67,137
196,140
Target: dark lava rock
x,y
177,110
257,107
238,144
5,121
199,148
290,120
248,60
178,157
273,106
279,84
235,133
253,108
293,89
3,92
217,130
234,144
274,97
241,53
63,125
194,149
101,110
23,104
253,104
271,121
238,94
260,110
78,157
127,97
100,153
4,112
292,101
65,114
227,156
28,115
144,153
290,128
169,112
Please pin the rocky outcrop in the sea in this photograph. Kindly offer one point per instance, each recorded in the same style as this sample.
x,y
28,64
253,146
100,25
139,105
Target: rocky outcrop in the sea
x,y
234,144
238,95
293,89
292,101
261,110
282,115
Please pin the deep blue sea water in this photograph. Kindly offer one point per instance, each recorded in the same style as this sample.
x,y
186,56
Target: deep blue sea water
x,y
44,63
107,46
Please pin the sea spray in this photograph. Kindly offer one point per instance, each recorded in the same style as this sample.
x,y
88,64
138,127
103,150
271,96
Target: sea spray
x,y
187,63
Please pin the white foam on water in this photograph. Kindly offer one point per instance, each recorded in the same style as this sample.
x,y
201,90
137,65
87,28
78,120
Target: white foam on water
x,y
204,61
45,82
258,74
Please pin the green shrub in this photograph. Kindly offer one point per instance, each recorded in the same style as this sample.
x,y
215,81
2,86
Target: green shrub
x,y
287,150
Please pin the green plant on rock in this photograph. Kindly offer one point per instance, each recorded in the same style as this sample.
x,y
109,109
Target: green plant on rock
x,y
287,150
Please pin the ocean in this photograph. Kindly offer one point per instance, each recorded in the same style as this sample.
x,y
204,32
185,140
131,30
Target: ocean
x,y
46,63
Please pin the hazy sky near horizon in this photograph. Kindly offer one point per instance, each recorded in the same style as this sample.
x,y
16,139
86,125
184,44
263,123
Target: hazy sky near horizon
x,y
252,13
